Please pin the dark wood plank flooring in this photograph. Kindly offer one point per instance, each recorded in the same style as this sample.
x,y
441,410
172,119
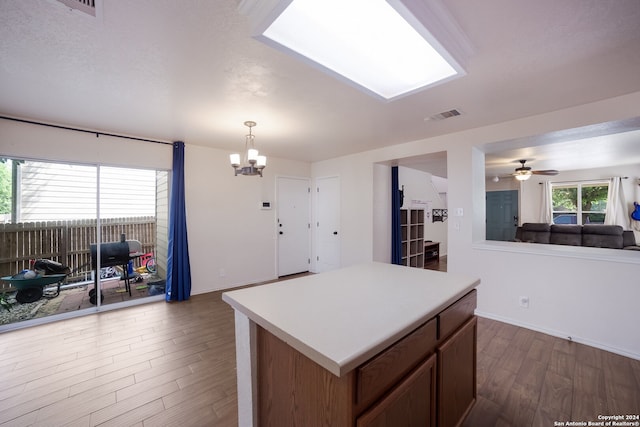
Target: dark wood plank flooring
x,y
526,378
440,265
173,364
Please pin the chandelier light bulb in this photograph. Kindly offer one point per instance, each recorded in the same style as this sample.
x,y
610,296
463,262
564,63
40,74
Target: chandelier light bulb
x,y
252,155
254,163
235,160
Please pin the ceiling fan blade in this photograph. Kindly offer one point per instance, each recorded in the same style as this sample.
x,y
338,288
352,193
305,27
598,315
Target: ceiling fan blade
x,y
545,172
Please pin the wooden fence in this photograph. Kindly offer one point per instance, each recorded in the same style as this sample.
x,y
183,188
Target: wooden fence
x,y
67,242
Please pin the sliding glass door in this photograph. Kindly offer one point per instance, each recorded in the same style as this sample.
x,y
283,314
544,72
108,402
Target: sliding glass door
x,y
77,237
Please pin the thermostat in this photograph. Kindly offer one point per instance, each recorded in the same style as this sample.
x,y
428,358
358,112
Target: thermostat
x,y
265,206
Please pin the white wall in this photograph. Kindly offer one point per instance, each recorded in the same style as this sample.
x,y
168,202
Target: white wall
x,y
232,241
503,184
35,142
591,297
381,213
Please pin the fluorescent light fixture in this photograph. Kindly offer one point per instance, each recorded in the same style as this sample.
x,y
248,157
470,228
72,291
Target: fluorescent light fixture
x,y
366,41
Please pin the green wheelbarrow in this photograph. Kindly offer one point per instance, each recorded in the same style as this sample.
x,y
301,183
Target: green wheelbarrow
x,y
31,290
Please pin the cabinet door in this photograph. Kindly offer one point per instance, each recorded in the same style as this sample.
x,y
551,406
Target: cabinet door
x,y
412,403
457,375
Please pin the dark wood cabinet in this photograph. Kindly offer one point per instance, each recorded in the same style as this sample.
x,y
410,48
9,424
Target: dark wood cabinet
x,y
457,375
426,378
410,403
378,375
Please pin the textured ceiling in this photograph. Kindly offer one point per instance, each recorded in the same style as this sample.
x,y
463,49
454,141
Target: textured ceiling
x,y
189,70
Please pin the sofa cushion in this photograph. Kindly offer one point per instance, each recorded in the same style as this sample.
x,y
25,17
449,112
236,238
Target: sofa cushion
x,y
602,236
536,232
629,239
566,234
613,230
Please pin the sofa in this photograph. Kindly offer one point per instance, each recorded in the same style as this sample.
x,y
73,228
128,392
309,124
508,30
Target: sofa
x,y
591,235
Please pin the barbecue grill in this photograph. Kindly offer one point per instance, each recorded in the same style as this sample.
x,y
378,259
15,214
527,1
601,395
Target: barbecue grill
x,y
114,254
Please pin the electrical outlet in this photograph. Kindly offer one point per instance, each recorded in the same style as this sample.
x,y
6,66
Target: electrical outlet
x,y
524,302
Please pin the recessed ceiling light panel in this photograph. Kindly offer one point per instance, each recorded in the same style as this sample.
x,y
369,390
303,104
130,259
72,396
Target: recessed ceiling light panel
x,y
367,42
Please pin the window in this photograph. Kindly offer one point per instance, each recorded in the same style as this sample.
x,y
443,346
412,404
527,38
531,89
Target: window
x,y
579,203
48,191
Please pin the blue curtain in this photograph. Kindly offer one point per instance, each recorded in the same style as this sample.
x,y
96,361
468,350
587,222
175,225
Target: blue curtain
x,y
396,237
178,269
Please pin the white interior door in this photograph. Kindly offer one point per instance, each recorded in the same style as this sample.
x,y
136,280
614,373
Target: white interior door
x,y
293,226
328,224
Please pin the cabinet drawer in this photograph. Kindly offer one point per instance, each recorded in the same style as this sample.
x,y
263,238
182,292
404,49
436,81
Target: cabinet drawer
x,y
410,403
380,373
452,317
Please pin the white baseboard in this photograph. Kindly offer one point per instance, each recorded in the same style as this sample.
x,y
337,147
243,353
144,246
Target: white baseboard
x,y
559,334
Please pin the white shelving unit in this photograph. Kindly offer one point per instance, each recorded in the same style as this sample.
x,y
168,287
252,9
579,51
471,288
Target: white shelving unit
x,y
412,232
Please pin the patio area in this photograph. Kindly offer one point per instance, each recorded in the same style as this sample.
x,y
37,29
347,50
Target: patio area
x,y
78,298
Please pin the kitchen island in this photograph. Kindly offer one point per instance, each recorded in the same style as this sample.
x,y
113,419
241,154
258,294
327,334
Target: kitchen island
x,y
368,345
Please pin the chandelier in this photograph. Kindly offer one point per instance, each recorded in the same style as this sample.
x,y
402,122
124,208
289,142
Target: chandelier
x,y
252,162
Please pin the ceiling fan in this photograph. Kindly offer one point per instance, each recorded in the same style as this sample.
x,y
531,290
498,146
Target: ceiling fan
x,y
524,172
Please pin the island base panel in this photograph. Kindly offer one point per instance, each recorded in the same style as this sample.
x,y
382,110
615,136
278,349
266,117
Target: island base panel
x,y
293,390
420,380
457,375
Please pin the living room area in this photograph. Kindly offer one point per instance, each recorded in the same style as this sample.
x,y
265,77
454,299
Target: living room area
x,y
589,179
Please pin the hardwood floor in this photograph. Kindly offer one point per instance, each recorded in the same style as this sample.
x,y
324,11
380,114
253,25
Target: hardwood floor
x,y
526,378
440,265
157,364
165,364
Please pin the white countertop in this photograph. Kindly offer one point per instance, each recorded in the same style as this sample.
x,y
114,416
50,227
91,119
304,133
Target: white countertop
x,y
341,318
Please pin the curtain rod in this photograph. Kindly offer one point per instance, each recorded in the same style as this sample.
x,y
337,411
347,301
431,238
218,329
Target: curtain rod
x,y
583,180
96,133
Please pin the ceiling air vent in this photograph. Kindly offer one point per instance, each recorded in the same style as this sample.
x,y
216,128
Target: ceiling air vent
x,y
444,115
86,6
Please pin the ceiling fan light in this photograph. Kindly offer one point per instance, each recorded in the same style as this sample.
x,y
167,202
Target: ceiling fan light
x,y
523,176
